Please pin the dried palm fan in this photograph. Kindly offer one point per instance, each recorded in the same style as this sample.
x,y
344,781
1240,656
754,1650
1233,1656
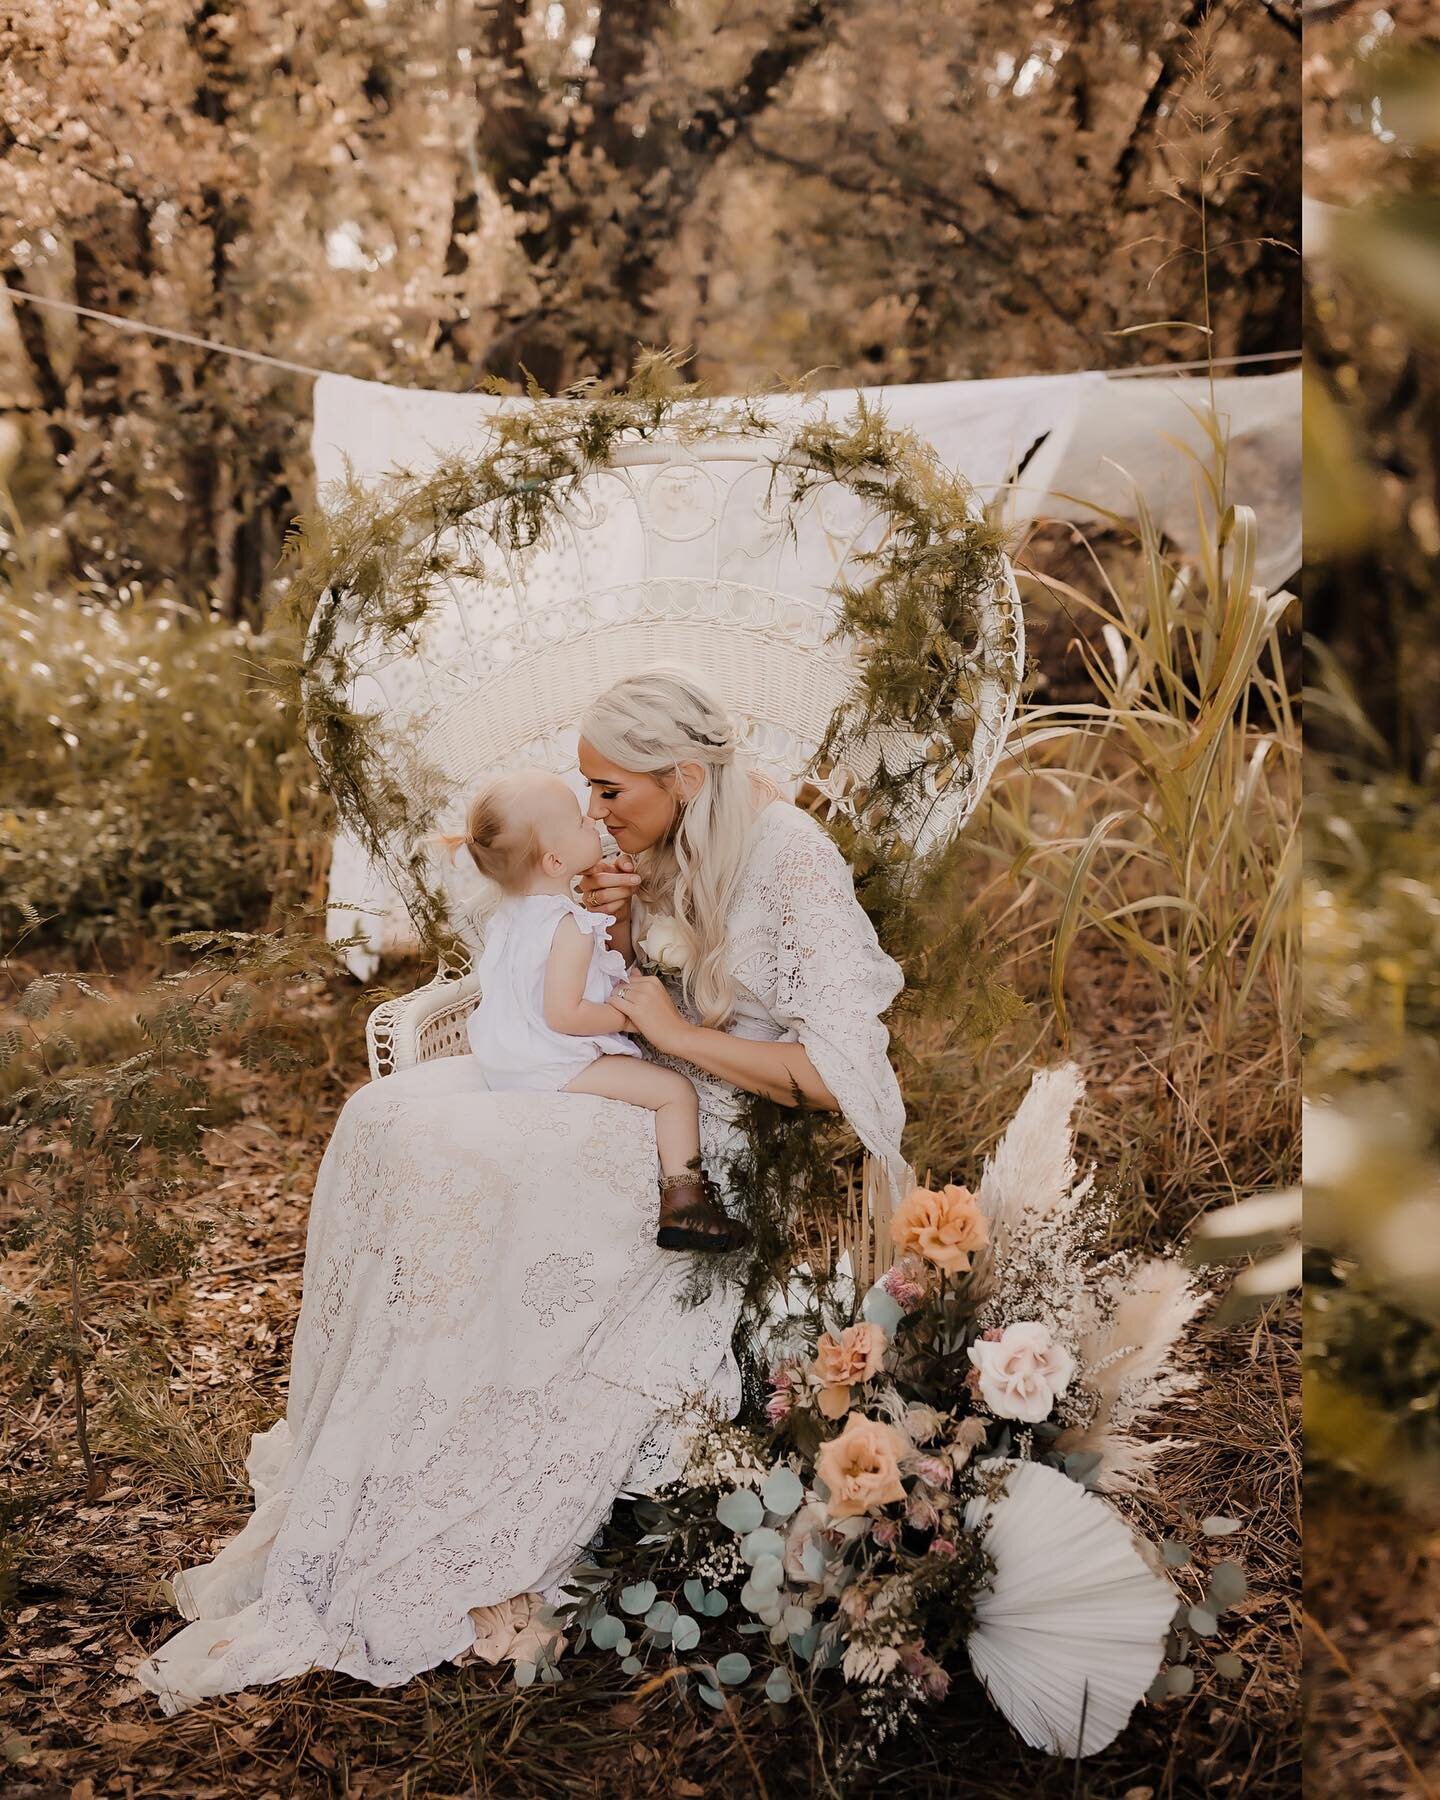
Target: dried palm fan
x,y
1071,1631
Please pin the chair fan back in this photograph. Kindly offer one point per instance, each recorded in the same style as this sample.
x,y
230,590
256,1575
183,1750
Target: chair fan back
x,y
676,552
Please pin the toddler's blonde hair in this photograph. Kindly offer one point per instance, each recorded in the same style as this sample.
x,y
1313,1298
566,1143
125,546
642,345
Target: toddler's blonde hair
x,y
503,828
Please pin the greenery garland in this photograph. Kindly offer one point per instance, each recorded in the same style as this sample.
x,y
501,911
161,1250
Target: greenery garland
x,y
380,557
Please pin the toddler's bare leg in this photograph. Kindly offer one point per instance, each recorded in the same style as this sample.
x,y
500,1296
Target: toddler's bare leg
x,y
665,1092
690,1217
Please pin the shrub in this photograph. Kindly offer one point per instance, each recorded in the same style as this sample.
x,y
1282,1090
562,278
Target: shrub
x,y
152,776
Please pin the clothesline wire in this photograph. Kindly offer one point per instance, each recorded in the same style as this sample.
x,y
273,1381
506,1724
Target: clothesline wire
x,y
143,329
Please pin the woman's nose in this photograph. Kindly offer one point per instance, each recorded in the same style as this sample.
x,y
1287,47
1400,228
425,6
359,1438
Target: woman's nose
x,y
596,808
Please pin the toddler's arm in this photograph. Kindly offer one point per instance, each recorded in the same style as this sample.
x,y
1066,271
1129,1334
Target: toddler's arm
x,y
566,1008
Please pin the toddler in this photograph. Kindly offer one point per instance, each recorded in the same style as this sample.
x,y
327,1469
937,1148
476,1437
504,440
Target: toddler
x,y
545,1022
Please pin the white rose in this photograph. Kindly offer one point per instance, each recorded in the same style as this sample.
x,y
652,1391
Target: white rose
x,y
1023,1373
666,946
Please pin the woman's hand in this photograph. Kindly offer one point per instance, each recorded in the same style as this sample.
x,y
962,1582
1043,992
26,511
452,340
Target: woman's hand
x,y
780,1071
608,887
646,1003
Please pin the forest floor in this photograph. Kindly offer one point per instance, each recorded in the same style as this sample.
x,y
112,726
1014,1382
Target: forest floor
x,y
82,1591
1372,1655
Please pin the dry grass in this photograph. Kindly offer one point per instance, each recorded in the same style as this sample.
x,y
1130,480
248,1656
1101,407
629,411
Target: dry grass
x,y
1155,809
195,1447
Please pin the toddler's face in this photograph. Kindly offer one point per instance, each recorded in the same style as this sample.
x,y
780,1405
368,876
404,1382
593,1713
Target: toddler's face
x,y
571,836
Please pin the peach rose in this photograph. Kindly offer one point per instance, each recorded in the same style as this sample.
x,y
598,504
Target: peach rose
x,y
945,1228
838,1366
861,1467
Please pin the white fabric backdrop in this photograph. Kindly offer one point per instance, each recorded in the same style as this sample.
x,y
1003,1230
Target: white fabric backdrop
x,y
1099,438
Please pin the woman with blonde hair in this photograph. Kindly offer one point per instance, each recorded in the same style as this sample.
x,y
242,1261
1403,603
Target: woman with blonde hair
x,y
491,1347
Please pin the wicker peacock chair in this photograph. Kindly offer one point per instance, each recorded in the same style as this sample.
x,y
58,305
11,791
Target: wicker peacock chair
x,y
671,552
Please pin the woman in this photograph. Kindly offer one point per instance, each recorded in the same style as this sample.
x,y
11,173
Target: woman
x,y
490,1345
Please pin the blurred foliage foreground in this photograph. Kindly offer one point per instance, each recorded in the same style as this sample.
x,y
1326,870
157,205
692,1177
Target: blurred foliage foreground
x,y
156,806
1372,1183
152,778
1372,811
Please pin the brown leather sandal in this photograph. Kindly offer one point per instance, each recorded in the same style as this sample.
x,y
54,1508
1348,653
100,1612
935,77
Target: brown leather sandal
x,y
692,1219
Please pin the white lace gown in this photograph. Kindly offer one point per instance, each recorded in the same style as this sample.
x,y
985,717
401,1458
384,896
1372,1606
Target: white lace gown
x,y
490,1346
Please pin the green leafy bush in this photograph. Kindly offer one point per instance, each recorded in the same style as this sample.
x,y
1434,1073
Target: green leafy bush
x,y
152,775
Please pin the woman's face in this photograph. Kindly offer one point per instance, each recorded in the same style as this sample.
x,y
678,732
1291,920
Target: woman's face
x,y
635,809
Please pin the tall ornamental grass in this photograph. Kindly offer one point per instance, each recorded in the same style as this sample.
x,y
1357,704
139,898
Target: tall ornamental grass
x,y
1160,816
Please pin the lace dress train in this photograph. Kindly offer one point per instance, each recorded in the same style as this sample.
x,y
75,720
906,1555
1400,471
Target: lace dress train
x,y
487,1339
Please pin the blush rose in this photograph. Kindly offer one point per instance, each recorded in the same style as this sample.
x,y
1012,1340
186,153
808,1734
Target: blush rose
x,y
839,1364
1022,1372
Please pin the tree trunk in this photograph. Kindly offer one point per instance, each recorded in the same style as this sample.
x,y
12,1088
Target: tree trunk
x,y
30,323
687,148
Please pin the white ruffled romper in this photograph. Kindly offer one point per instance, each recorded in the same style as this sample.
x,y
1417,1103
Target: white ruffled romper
x,y
516,1048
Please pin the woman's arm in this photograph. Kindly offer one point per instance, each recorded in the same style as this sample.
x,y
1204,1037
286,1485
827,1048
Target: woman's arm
x,y
775,1070
566,1008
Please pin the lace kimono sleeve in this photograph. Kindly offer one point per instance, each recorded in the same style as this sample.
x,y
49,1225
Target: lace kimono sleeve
x,y
833,983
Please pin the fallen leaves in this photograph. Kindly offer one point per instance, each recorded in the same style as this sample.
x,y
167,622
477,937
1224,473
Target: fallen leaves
x,y
93,1604
123,1731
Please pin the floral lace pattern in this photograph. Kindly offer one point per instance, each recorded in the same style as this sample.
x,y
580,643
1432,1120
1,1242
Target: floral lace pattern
x,y
490,1345
811,971
557,1284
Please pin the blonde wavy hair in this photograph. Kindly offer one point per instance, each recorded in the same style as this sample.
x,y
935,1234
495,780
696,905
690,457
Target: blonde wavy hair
x,y
650,723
